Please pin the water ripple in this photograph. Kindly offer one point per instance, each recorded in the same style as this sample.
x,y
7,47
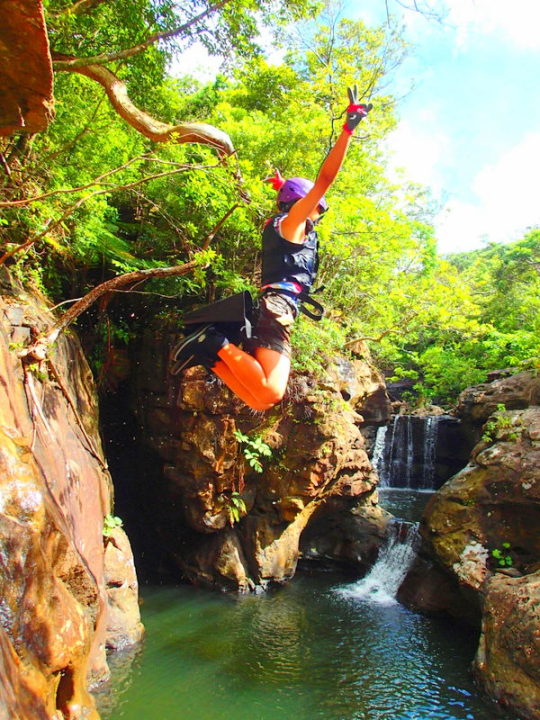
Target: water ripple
x,y
306,652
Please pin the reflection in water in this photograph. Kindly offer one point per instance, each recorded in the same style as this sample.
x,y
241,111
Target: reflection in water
x,y
315,649
124,667
304,652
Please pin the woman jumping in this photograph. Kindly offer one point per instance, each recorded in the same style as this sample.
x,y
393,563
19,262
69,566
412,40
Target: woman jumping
x,y
289,267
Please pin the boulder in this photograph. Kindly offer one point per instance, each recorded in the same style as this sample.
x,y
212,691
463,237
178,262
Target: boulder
x,y
516,392
492,501
480,558
507,663
219,521
350,537
124,627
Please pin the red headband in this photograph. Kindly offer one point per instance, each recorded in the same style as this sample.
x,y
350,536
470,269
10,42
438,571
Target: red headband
x,y
276,180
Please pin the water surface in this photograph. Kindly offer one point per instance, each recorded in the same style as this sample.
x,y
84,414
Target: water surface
x,y
309,651
404,503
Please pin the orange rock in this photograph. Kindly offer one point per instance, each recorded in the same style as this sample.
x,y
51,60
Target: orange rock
x,y
26,76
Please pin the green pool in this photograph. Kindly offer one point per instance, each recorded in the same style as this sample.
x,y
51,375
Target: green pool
x,y
311,650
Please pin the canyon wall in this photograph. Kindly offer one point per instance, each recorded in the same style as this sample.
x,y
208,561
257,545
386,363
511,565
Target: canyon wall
x,y
213,516
481,545
66,591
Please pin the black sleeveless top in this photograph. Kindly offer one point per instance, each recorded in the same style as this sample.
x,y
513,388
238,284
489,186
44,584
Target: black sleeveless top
x,y
284,261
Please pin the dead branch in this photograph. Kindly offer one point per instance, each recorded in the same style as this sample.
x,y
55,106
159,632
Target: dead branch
x,y
37,351
143,122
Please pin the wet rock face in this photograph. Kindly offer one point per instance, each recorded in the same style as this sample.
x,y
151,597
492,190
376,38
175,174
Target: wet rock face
x,y
124,628
223,523
54,493
26,77
349,537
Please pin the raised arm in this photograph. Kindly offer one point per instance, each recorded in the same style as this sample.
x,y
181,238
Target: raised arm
x,y
293,225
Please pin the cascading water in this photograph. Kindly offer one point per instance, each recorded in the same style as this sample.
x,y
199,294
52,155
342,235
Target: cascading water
x,y
409,454
405,453
382,582
430,451
377,459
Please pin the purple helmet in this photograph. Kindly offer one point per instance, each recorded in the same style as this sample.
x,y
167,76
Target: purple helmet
x,y
291,190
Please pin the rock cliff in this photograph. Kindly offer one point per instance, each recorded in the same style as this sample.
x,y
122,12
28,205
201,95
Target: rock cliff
x,y
65,594
481,552
217,520
26,75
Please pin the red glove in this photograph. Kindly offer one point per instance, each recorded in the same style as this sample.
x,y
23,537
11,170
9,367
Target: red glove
x,y
356,111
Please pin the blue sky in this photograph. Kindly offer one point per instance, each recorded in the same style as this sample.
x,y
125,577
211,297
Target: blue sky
x,y
470,126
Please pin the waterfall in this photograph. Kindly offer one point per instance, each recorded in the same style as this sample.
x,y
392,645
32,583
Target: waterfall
x,y
377,460
430,447
405,452
409,454
382,582
389,455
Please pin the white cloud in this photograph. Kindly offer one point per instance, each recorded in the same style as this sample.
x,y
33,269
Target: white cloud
x,y
512,22
507,202
516,21
418,151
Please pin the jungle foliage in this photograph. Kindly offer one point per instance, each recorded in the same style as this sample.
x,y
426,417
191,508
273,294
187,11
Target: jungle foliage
x,y
110,201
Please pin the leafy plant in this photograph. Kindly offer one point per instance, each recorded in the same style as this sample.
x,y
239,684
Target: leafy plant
x,y
501,555
110,523
500,422
236,507
254,449
35,369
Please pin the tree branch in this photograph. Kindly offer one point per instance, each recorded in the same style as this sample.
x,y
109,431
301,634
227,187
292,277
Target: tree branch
x,y
390,331
218,227
72,208
67,191
394,330
77,63
37,351
147,125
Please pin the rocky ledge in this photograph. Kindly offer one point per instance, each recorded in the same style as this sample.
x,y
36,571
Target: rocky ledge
x,y
480,559
233,491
